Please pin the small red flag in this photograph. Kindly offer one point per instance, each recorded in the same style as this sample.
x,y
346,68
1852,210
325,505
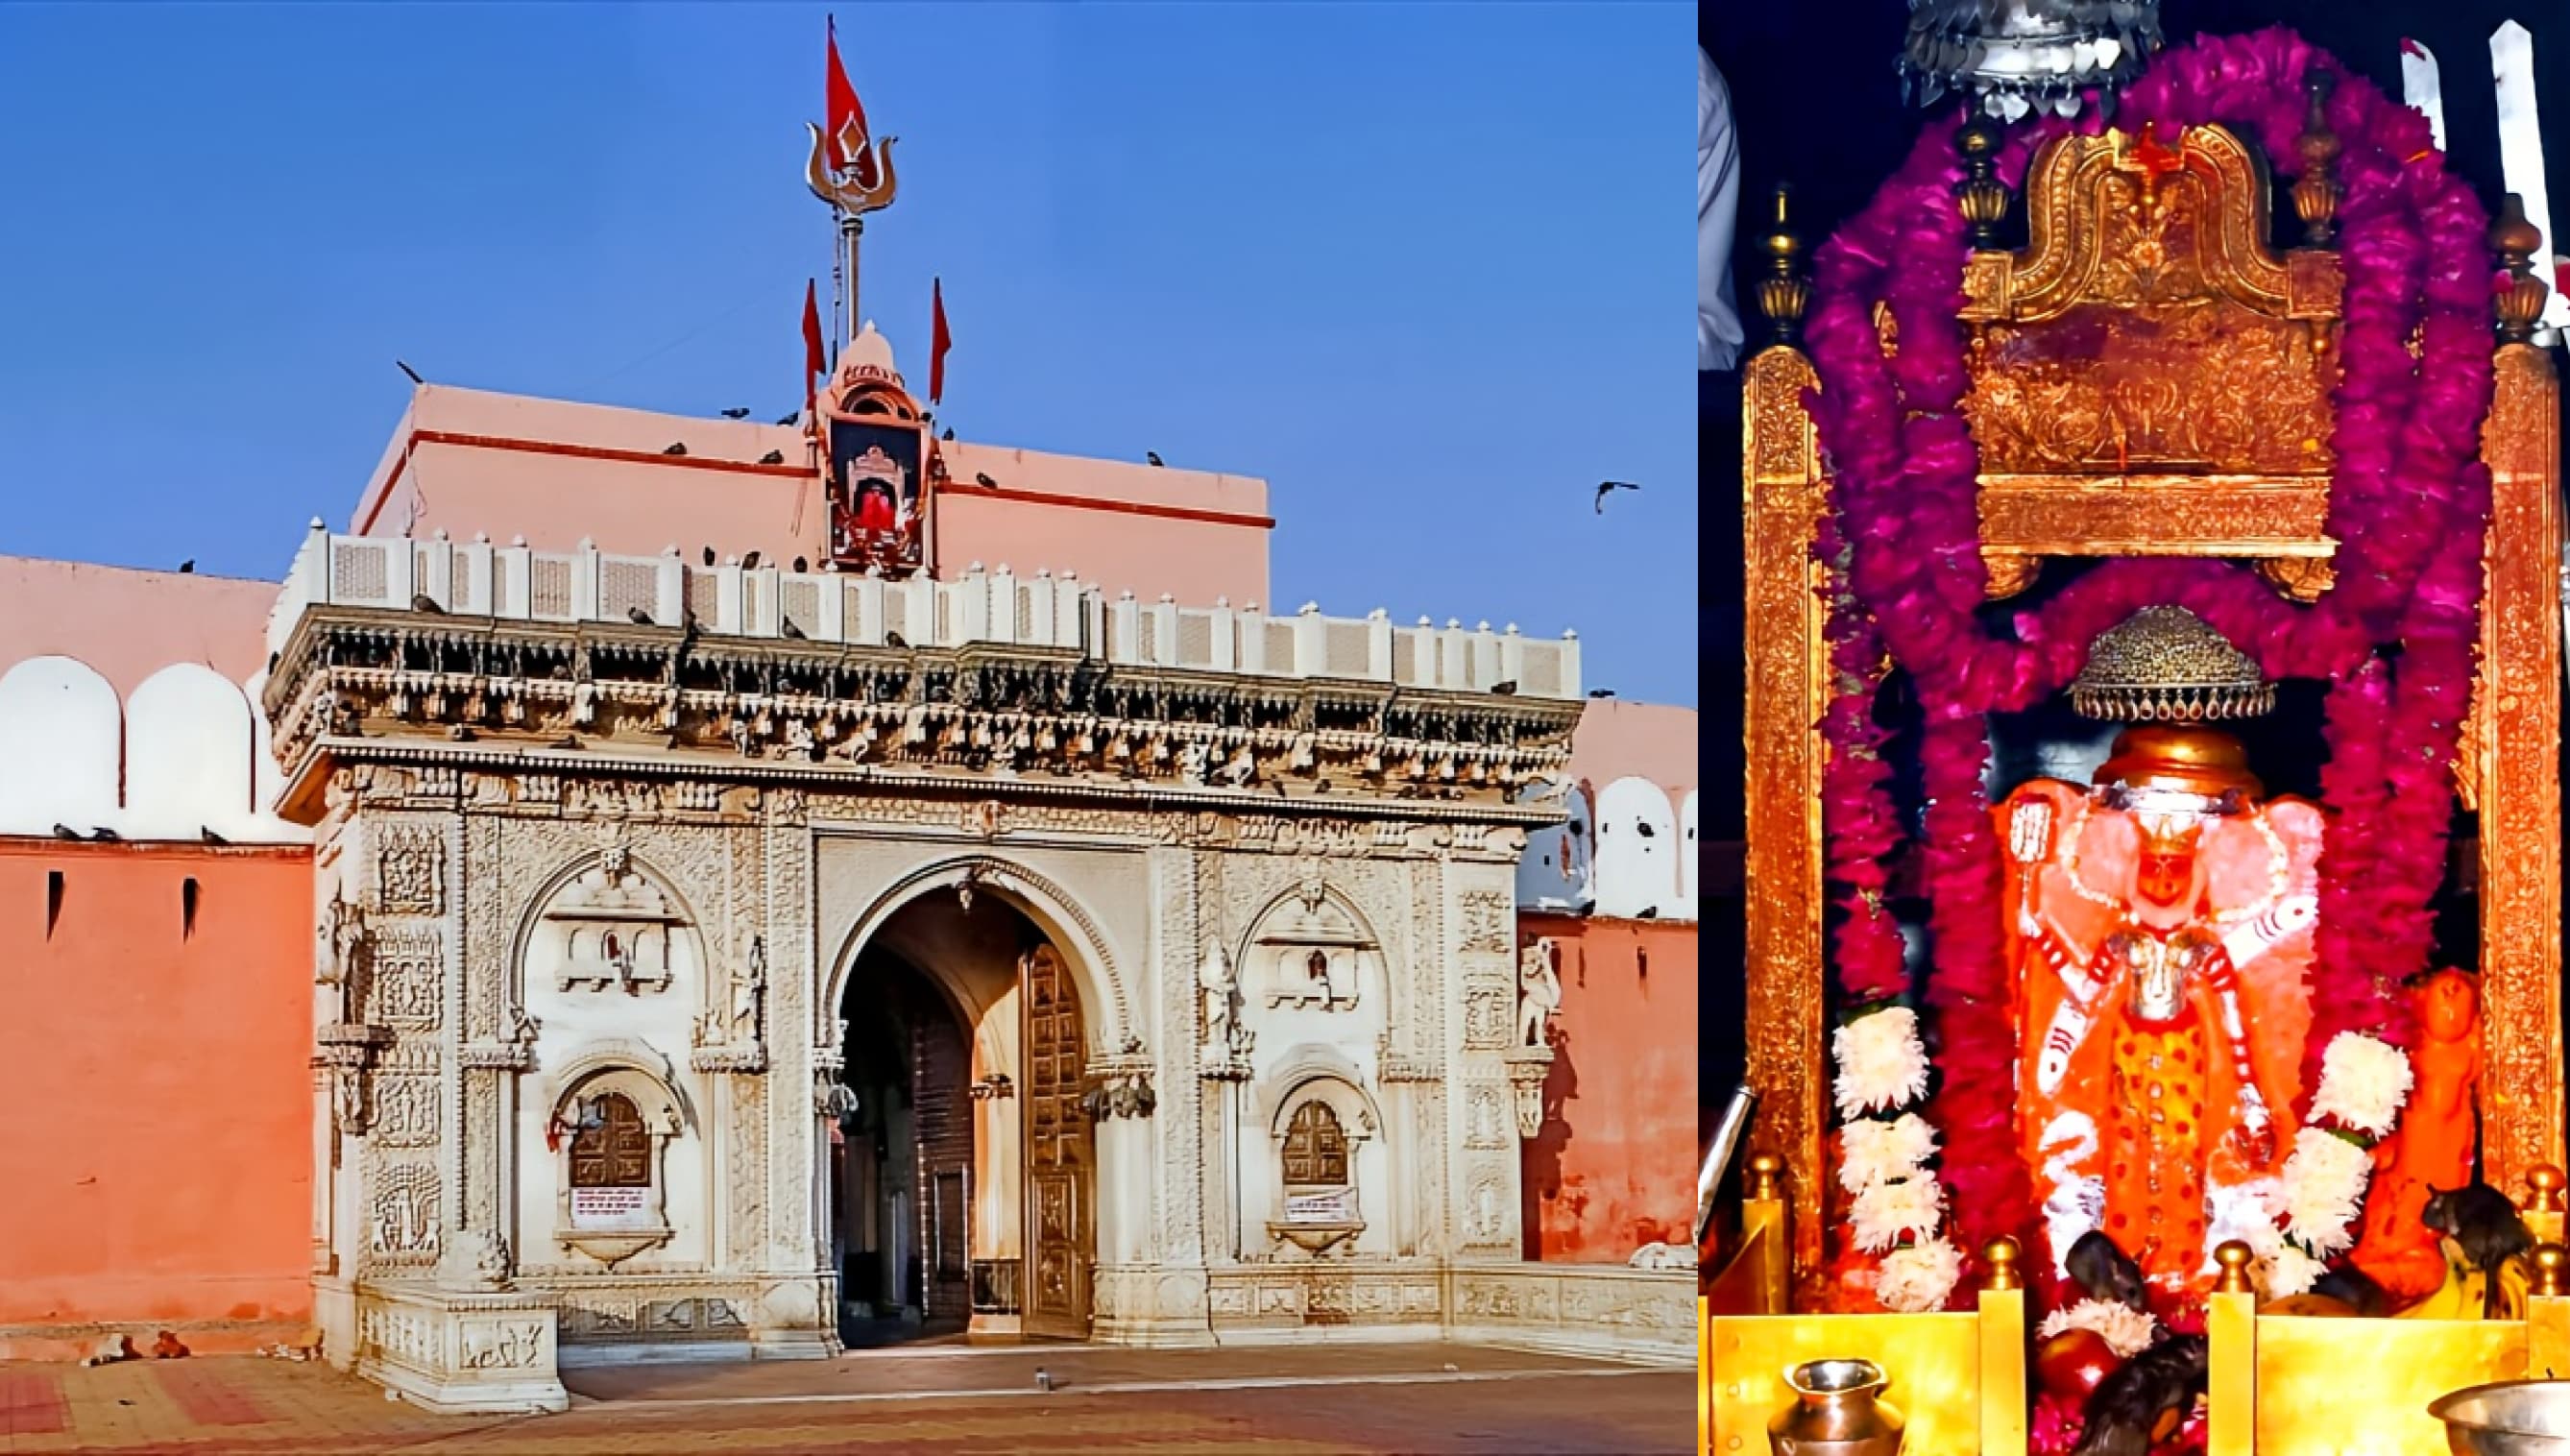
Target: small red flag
x,y
841,104
939,342
815,361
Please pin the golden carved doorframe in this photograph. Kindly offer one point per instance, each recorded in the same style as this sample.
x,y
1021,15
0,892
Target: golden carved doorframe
x,y
2229,501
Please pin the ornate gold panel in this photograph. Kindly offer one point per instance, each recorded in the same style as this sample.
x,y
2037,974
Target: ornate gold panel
x,y
2149,378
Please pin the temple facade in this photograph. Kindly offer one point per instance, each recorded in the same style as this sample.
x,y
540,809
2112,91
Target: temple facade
x,y
718,955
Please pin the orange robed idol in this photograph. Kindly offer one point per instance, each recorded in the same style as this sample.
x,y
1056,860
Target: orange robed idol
x,y
2159,931
2433,1149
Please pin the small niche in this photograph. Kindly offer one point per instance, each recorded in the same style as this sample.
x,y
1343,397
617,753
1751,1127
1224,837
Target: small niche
x,y
187,908
53,900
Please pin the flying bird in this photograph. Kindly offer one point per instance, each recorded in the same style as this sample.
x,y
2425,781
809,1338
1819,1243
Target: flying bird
x,y
742,413
188,567
679,448
1153,456
983,479
407,369
1507,688
1601,691
772,457
423,602
791,418
750,562
638,617
1608,487
790,630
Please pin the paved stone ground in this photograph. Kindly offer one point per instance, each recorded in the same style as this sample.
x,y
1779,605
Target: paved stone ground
x,y
1340,1400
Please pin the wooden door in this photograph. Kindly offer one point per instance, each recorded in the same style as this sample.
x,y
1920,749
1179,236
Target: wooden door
x,y
1061,1237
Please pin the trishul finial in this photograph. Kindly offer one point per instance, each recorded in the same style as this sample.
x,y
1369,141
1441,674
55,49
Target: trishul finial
x,y
846,189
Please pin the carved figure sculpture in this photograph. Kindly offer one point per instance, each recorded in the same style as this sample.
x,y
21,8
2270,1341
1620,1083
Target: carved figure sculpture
x,y
1217,986
2159,928
749,989
1538,992
2432,1148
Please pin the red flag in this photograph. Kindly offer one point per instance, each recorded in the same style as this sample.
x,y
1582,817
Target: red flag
x,y
939,342
815,362
840,102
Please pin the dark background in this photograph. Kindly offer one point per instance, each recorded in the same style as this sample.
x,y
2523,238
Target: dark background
x,y
1817,103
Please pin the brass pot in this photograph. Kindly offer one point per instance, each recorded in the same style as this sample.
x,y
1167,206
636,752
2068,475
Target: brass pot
x,y
1837,1411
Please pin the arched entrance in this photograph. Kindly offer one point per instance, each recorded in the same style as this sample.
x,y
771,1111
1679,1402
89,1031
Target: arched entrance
x,y
960,1176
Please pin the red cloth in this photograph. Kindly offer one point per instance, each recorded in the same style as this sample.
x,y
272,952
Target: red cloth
x,y
816,361
840,101
939,343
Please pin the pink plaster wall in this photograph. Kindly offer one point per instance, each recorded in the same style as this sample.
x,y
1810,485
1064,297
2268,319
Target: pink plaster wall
x,y
130,624
158,1161
1617,739
1194,534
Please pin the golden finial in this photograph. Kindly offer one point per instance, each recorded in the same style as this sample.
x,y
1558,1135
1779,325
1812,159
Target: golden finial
x,y
2546,1181
2517,240
1998,1265
1782,294
1766,1171
2316,191
2549,1259
1984,198
2234,1258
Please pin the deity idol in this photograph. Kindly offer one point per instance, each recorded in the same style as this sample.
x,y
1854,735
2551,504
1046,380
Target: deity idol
x,y
2159,928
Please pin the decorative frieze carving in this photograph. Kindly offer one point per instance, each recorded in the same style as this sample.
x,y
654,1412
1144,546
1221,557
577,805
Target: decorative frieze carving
x,y
410,870
1486,1008
984,709
405,976
406,1097
1485,916
403,1224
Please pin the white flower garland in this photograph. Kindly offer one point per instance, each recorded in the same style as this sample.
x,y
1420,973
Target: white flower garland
x,y
1880,1063
2362,1084
1883,1160
2365,1084
2126,1331
1918,1277
1874,1151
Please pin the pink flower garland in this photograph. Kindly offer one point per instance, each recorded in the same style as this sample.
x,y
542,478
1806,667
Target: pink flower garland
x,y
2408,506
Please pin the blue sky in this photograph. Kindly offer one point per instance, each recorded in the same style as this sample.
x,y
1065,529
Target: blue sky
x,y
1426,268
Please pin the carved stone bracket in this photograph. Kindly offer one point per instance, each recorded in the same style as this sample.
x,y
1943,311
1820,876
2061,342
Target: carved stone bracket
x,y
1120,1085
1527,1069
347,1050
